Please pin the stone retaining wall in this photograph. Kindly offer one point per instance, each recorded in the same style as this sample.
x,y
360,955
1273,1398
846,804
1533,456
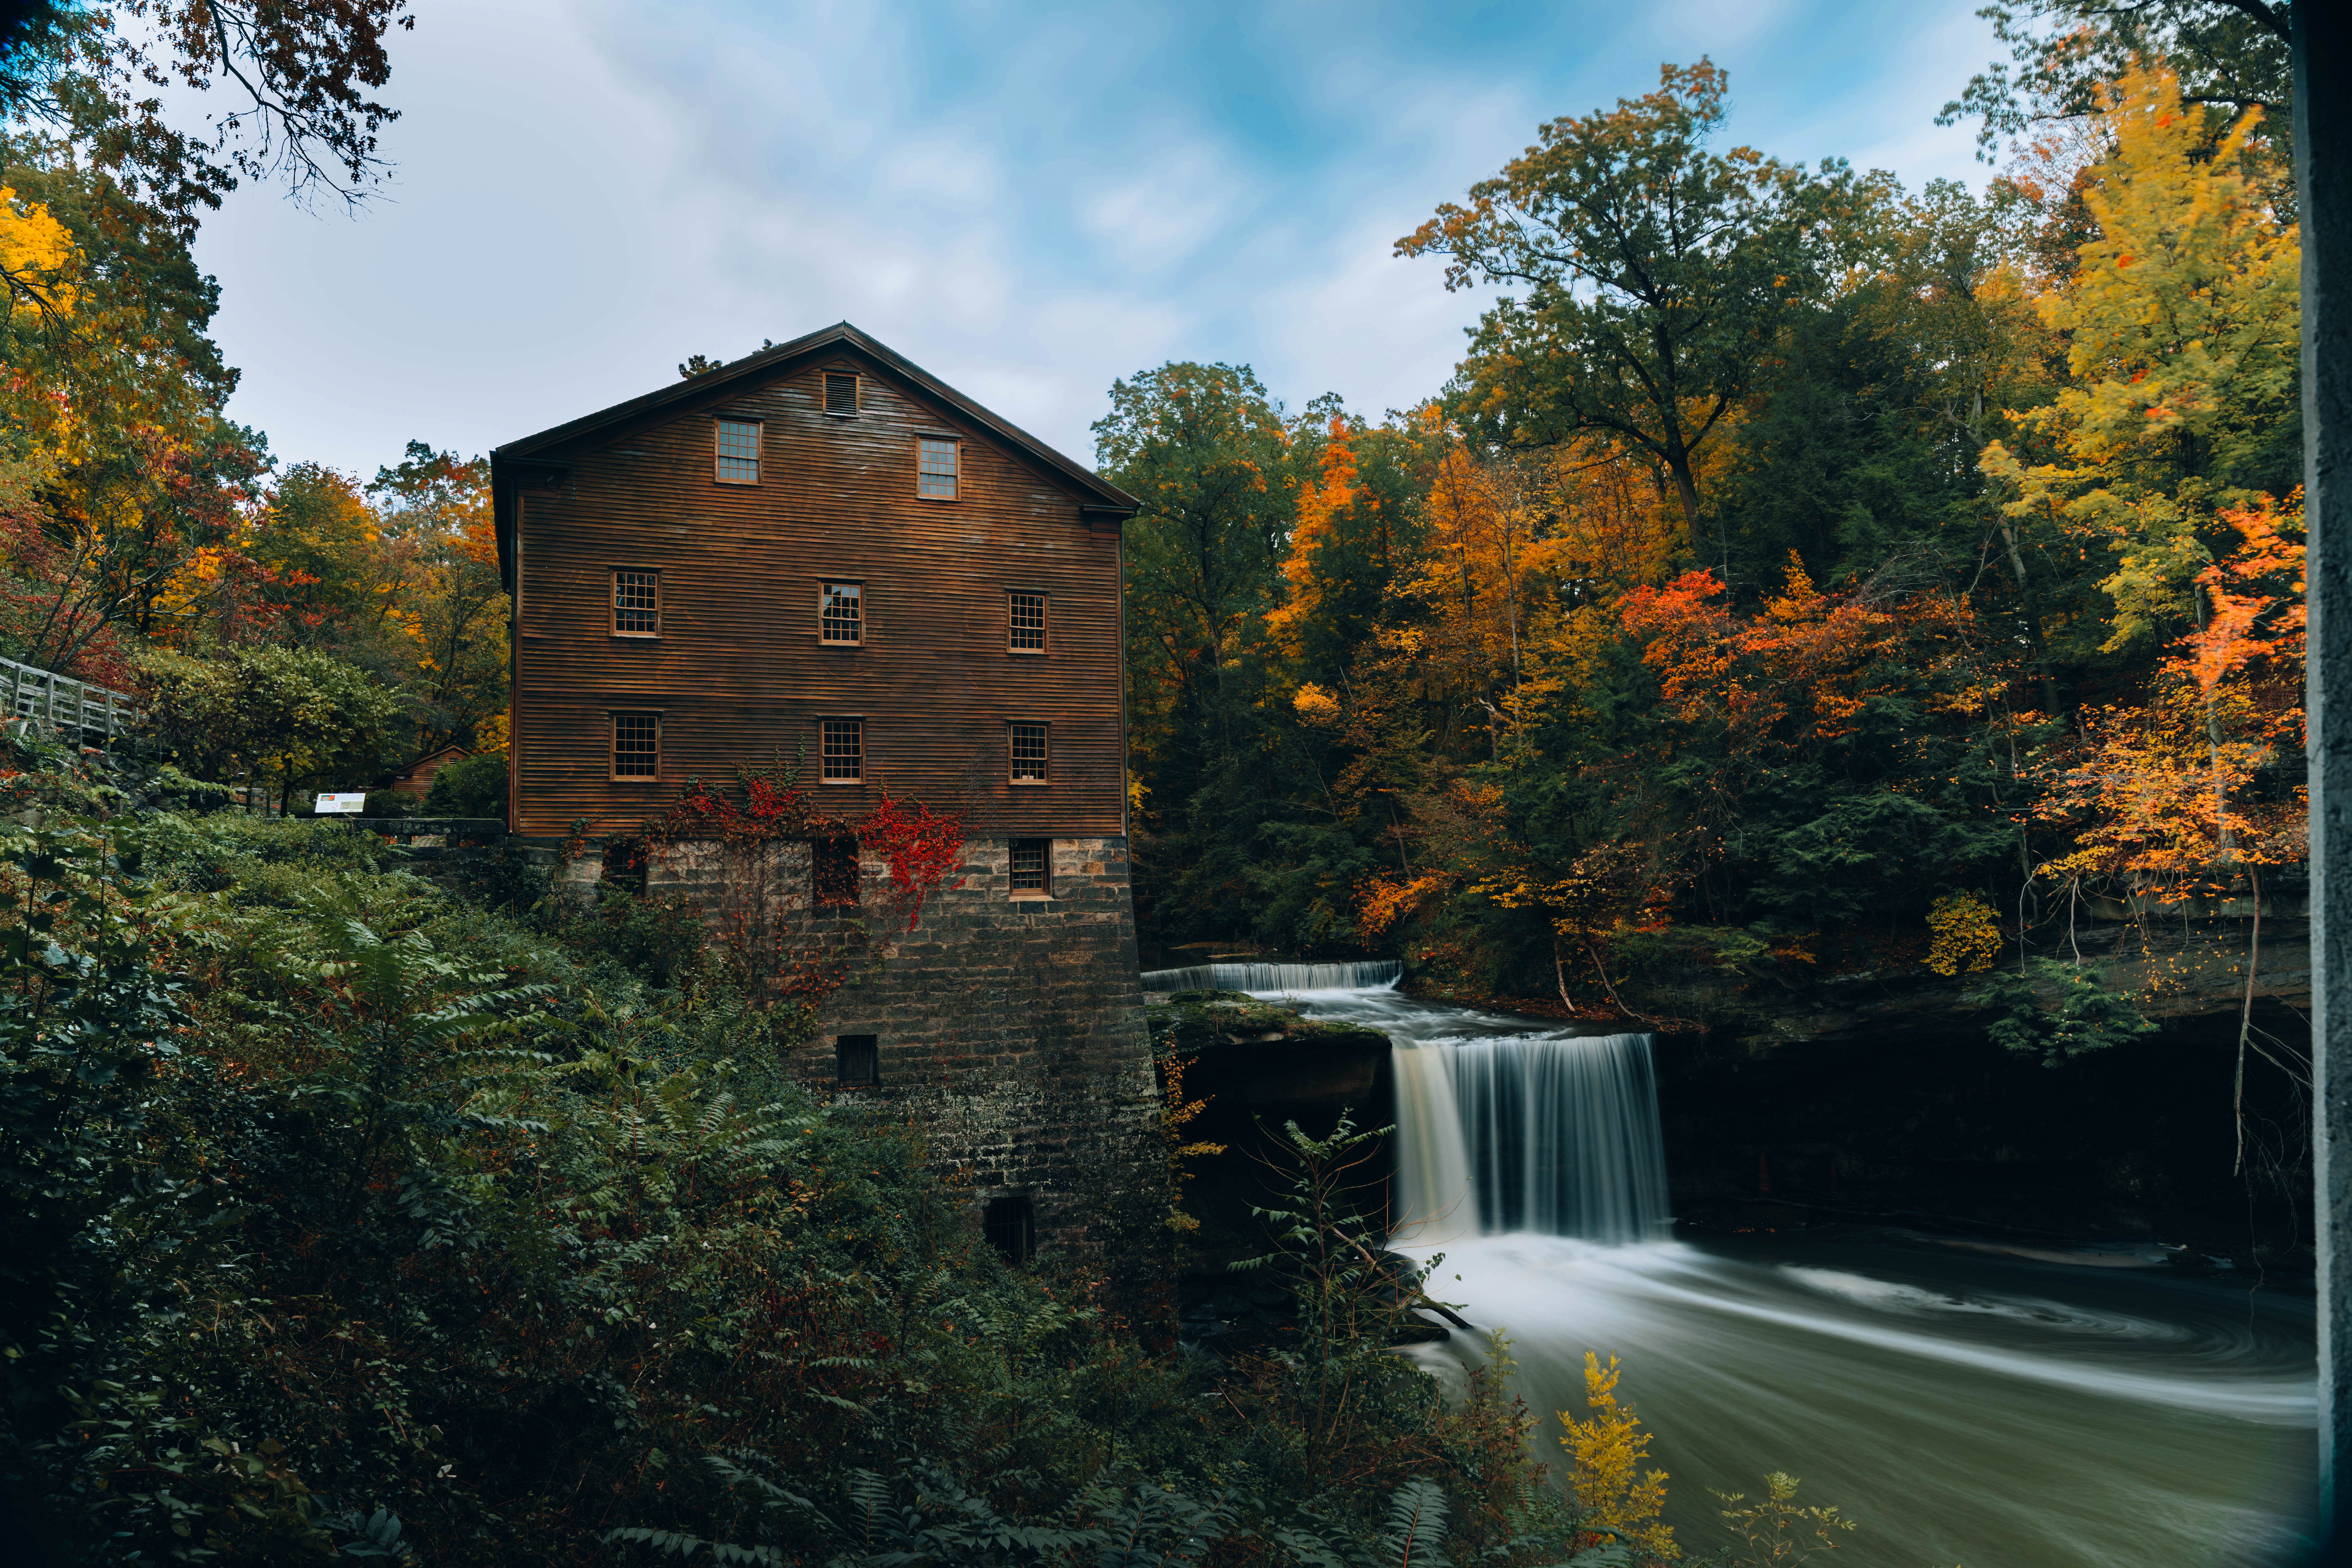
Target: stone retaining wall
x,y
1010,1031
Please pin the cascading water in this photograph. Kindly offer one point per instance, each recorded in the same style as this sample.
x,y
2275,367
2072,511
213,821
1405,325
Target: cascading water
x,y
1966,1405
1551,1133
1280,978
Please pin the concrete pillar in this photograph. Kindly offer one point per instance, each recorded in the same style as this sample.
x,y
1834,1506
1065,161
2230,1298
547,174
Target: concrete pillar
x,y
2323,138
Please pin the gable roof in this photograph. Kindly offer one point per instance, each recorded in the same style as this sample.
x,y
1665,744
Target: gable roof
x,y
533,458
452,750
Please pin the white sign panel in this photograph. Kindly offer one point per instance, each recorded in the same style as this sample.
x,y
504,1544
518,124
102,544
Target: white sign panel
x,y
349,804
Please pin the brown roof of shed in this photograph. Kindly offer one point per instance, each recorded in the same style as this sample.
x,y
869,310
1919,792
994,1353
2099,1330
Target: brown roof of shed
x,y
514,464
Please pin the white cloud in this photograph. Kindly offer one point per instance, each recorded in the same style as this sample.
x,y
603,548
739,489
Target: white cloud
x,y
1159,215
1030,202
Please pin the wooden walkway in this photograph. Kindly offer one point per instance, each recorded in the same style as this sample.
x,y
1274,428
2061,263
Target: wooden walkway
x,y
64,703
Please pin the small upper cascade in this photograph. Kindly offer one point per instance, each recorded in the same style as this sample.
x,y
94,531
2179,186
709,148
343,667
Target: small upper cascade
x,y
1372,974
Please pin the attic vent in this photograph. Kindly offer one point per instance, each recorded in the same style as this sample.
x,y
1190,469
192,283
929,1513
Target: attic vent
x,y
840,395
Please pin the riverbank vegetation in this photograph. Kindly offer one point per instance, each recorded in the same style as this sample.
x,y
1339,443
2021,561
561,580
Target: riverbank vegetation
x,y
344,1214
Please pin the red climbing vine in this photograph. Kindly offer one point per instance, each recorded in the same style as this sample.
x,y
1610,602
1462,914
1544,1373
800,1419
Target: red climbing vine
x,y
921,848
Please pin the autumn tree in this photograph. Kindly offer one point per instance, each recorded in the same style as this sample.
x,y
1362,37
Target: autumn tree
x,y
433,509
1356,529
1655,273
295,81
2180,332
114,418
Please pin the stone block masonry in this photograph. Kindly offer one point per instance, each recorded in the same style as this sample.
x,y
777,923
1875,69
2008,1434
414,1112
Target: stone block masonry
x,y
1009,1029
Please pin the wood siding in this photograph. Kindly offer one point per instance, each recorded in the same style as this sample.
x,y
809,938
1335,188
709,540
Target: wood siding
x,y
737,673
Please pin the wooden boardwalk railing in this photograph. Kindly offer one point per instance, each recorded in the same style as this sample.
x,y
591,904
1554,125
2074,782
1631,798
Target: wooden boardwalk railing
x,y
64,703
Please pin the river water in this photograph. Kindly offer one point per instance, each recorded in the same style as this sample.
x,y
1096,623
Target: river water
x,y
1966,1402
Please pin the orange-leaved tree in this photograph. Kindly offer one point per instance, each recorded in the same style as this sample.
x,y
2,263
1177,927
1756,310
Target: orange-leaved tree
x,y
2162,792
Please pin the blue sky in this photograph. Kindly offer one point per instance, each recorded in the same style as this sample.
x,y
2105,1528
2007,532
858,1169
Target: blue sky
x,y
1029,201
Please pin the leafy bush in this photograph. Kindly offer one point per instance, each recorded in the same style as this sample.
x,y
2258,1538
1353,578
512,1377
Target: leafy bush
x,y
470,786
287,716
2089,1017
658,939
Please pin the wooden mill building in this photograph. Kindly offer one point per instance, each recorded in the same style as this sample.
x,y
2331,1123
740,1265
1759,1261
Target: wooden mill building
x,y
823,550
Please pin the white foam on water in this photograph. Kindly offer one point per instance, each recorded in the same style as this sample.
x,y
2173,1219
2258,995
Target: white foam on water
x,y
1886,1295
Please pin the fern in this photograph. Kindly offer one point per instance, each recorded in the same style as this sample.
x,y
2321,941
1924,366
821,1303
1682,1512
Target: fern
x,y
671,1543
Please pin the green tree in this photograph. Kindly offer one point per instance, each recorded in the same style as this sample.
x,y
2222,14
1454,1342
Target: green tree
x,y
289,715
2064,53
1657,274
1208,451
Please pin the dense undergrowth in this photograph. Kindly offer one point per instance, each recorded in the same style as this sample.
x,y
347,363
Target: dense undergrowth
x,y
342,1216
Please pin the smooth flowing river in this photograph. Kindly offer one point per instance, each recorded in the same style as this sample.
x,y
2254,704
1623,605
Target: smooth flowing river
x,y
1968,1403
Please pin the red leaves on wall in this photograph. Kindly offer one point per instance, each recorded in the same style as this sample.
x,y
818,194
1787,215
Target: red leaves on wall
x,y
920,847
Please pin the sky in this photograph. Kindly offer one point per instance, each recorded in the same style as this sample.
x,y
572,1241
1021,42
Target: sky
x,y
1029,201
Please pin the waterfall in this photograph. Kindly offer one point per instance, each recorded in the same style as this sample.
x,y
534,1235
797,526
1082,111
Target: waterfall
x,y
1562,1136
1556,1134
1375,974
1432,1198
1550,1134
1497,1130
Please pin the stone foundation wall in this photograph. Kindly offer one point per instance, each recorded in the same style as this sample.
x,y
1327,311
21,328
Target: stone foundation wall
x,y
1010,1031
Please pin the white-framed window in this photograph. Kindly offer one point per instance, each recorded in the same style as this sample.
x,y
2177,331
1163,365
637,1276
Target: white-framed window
x,y
636,603
739,451
1024,621
1030,745
935,468
841,612
841,747
636,745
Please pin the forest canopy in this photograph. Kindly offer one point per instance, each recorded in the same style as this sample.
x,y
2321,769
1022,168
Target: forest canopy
x,y
1794,559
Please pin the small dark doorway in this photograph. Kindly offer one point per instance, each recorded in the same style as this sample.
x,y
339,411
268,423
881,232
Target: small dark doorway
x,y
1009,1224
857,1058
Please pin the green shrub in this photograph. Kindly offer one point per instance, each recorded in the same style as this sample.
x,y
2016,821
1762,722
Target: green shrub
x,y
660,939
2089,1017
470,786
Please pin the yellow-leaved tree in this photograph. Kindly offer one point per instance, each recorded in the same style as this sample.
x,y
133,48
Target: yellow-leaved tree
x,y
2180,323
1606,1475
37,259
36,264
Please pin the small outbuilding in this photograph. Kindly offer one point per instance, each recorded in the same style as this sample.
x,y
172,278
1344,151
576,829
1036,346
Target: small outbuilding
x,y
415,779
